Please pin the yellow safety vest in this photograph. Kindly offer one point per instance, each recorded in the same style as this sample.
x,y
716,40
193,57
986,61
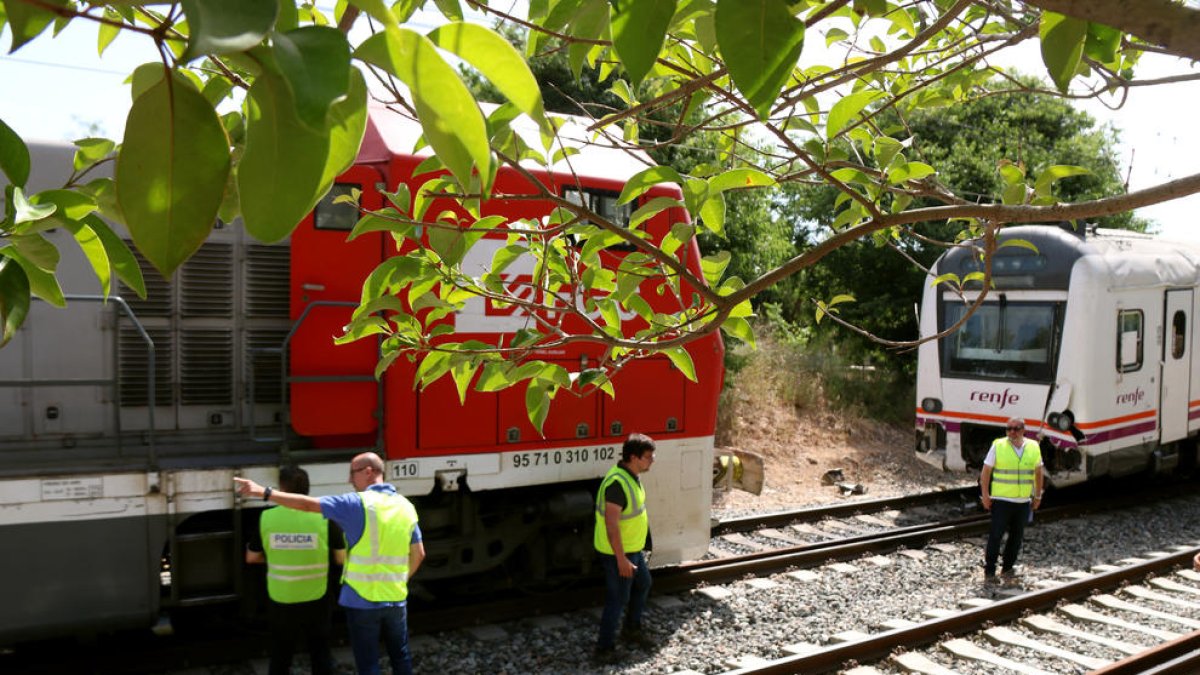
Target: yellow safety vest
x,y
377,565
296,544
1012,477
635,521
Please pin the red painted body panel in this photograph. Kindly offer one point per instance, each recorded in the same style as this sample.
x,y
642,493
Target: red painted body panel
x,y
652,396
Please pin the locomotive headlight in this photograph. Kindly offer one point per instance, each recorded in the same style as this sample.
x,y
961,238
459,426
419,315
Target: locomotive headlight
x,y
931,405
1062,421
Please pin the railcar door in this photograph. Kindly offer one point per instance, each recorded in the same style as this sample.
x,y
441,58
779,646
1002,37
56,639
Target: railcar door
x,y
1176,366
333,390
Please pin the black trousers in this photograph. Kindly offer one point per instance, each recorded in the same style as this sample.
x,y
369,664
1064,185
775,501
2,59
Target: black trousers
x,y
307,622
1010,518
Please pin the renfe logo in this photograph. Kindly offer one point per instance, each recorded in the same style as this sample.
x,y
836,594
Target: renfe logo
x,y
1131,397
1003,398
293,541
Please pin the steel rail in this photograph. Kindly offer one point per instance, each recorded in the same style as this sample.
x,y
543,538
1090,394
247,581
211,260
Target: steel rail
x,y
1181,655
878,646
749,523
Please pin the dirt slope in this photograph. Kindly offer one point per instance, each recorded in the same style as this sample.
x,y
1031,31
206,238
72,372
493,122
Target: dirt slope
x,y
800,446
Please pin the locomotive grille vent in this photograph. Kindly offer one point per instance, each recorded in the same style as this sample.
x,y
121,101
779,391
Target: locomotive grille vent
x,y
206,367
207,282
267,269
158,290
135,366
265,365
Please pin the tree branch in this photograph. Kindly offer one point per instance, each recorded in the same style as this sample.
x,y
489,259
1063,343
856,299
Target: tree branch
x,y
1171,25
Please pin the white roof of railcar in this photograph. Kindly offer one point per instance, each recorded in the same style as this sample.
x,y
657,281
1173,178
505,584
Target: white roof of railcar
x,y
1135,259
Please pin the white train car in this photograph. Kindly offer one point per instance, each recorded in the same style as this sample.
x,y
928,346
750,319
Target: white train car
x,y
1089,339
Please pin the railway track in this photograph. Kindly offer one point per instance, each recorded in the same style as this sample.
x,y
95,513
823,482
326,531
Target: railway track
x,y
703,580
1155,579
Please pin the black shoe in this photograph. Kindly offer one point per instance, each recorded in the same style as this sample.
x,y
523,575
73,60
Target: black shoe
x,y
635,636
990,579
605,657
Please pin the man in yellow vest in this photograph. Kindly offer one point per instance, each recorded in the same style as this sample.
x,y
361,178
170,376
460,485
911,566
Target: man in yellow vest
x,y
621,536
1011,487
385,551
296,547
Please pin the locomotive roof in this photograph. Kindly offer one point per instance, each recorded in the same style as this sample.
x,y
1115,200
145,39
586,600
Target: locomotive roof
x,y
391,132
1126,258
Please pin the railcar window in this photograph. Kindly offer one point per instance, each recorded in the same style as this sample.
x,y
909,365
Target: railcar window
x,y
1178,335
1129,340
331,216
1013,340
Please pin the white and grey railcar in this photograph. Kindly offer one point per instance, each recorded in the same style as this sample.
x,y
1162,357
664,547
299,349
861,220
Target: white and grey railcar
x,y
1090,340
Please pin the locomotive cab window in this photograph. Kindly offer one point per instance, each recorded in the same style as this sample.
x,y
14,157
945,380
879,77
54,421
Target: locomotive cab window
x,y
604,204
1006,340
339,216
1129,340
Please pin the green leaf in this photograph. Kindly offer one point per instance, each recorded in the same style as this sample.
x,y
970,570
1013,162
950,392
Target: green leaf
x,y
1013,194
14,297
712,214
590,22
638,29
739,178
347,124
1103,43
714,266
14,156
226,26
1019,243
171,172
537,404
26,20
497,60
450,118
1062,46
761,41
26,212
93,249
642,181
120,258
683,361
739,328
37,250
1054,173
652,208
284,163
89,151
378,10
846,109
43,284
463,372
315,62
433,366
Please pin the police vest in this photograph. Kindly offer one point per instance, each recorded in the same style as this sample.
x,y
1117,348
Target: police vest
x,y
634,523
1012,477
296,544
377,565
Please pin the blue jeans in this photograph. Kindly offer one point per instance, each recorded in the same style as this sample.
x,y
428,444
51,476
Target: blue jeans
x,y
1007,517
366,626
618,591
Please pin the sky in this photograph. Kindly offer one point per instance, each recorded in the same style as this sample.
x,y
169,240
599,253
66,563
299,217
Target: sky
x,y
60,89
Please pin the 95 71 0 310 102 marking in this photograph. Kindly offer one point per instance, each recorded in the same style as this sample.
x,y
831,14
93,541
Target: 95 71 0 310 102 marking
x,y
601,454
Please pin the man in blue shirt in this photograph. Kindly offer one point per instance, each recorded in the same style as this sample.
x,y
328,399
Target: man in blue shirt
x,y
385,550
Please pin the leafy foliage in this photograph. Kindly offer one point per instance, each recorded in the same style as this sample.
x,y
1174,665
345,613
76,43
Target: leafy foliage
x,y
727,93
